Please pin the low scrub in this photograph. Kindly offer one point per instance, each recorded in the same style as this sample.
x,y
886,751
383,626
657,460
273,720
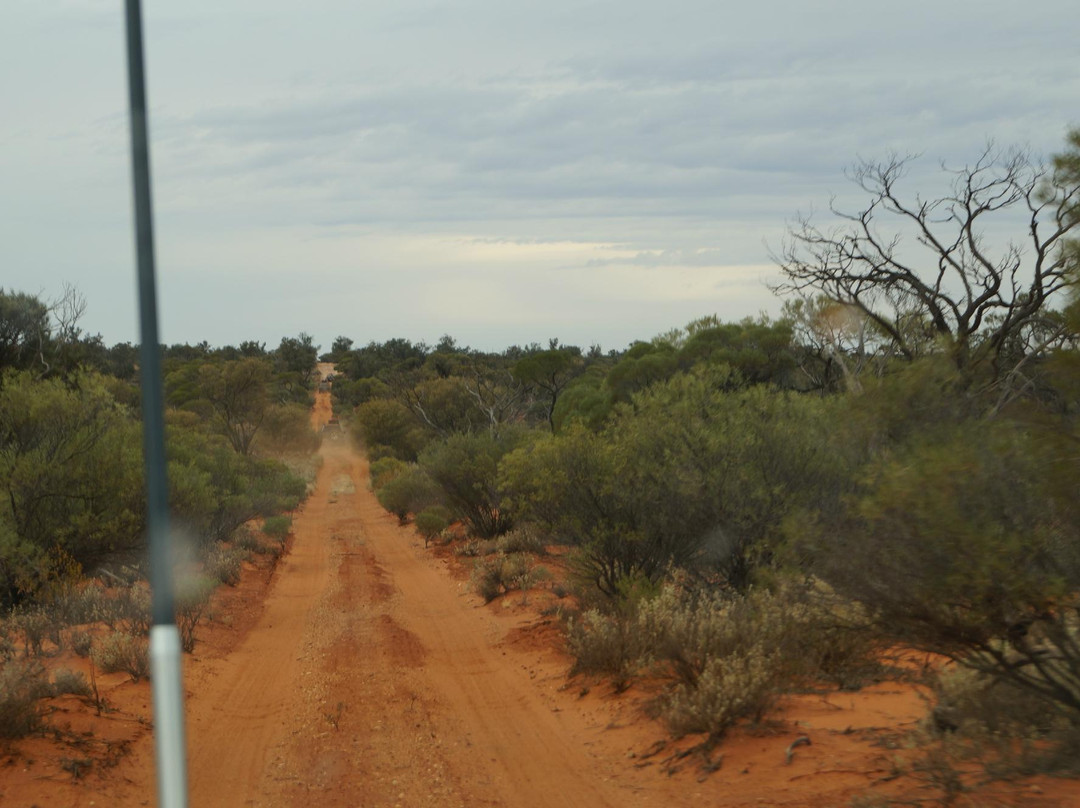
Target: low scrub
x,y
521,540
1007,727
223,563
124,652
81,642
22,685
725,657
66,681
500,574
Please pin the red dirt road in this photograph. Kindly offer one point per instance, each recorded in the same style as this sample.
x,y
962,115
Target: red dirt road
x,y
358,687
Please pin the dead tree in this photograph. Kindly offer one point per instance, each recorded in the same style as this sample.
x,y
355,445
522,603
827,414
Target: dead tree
x,y
933,275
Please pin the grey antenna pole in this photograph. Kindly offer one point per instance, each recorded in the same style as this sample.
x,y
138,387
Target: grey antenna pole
x,y
164,637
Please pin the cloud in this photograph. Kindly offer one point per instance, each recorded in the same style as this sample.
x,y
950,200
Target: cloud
x,y
607,153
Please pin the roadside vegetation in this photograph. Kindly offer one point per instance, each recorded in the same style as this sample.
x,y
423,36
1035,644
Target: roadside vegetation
x,y
777,505
73,559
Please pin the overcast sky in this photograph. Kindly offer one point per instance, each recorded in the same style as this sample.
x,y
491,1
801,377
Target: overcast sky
x,y
504,171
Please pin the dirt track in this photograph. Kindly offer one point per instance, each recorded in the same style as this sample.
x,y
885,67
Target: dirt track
x,y
358,686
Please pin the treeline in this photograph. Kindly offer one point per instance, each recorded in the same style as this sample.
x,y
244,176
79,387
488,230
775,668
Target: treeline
x,y
756,506
72,496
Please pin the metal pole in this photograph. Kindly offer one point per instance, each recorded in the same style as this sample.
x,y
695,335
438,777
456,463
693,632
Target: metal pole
x,y
164,637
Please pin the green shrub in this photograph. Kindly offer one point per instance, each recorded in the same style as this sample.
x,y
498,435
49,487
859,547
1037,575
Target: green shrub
x,y
125,652
7,645
965,543
67,681
1007,727
410,491
22,686
432,521
384,470
75,603
277,527
388,425
287,428
466,468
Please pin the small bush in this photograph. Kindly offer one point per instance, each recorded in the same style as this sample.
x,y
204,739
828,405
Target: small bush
x,y
244,539
410,491
125,652
605,644
492,577
81,642
277,527
22,686
36,626
1009,728
726,656
192,598
66,681
7,646
521,540
223,564
728,689
431,522
79,603
133,610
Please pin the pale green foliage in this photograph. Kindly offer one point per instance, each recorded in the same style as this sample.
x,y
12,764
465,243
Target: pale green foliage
x,y
728,689
120,651
965,544
239,396
522,539
224,564
384,470
726,657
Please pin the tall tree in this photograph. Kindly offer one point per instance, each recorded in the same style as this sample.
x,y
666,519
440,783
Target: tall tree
x,y
238,392
550,371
